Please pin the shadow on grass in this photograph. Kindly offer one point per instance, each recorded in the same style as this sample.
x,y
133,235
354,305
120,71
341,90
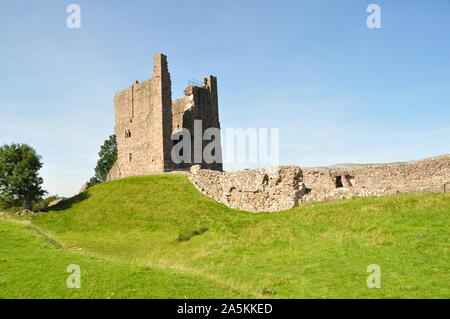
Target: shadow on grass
x,y
68,203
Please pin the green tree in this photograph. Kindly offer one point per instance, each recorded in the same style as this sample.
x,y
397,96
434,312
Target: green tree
x,y
20,183
108,156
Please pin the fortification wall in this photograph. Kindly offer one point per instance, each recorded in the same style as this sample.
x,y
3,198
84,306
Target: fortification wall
x,y
275,189
260,190
428,175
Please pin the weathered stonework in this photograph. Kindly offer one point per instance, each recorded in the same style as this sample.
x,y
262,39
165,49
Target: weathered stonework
x,y
146,118
260,190
422,176
275,189
85,187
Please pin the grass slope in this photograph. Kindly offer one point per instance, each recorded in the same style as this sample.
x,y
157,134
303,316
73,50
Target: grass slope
x,y
34,266
313,251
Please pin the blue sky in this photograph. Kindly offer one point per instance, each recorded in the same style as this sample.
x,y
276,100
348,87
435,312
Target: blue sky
x,y
338,91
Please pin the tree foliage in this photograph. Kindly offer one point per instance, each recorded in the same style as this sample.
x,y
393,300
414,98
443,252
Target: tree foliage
x,y
20,183
108,156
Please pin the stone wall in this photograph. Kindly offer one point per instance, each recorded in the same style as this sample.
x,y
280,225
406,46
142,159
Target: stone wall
x,y
428,175
199,103
259,190
274,189
144,124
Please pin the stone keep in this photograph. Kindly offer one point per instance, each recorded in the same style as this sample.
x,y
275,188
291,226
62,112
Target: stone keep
x,y
146,118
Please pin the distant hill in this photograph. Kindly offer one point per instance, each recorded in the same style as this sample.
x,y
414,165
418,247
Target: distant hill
x,y
358,165
346,166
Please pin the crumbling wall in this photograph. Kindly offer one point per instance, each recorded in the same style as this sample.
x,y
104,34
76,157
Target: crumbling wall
x,y
260,190
114,173
199,103
427,175
274,189
318,178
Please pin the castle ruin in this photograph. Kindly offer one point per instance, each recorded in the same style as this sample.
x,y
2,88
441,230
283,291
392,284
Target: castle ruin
x,y
273,189
147,128
146,118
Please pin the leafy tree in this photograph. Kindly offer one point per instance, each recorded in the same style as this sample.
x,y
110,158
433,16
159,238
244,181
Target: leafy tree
x,y
108,156
20,183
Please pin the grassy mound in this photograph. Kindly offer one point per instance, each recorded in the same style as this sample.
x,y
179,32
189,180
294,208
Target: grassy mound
x,y
319,250
34,266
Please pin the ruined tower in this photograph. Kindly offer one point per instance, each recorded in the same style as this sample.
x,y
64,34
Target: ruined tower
x,y
146,118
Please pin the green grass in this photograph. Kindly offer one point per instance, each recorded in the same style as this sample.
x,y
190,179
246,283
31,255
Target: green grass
x,y
313,251
34,266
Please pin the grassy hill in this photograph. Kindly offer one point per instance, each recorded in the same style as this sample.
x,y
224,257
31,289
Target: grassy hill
x,y
34,266
159,237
